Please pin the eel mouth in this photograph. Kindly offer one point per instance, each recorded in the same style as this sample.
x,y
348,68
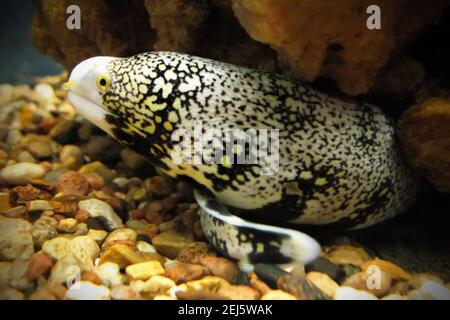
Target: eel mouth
x,y
91,111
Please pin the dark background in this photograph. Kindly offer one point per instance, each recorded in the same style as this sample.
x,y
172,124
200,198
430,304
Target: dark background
x,y
20,61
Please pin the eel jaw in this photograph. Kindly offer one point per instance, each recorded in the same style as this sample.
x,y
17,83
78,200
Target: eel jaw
x,y
91,111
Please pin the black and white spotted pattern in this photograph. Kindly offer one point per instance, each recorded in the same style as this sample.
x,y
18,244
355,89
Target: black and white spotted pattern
x,y
339,161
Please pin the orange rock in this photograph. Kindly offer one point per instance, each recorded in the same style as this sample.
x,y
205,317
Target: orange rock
x,y
82,216
221,267
393,270
183,272
424,132
90,276
40,264
73,183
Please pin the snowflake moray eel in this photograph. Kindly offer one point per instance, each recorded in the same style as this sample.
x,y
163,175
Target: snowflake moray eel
x,y
338,162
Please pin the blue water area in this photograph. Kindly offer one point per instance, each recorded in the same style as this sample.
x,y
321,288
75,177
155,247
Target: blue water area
x,y
20,60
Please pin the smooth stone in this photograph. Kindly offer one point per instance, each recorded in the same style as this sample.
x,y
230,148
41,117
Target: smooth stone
x,y
158,284
278,295
269,273
122,235
16,241
5,203
68,270
144,270
349,293
171,242
324,265
109,274
99,208
145,247
82,247
39,205
40,149
97,235
323,282
21,173
99,168
430,290
85,290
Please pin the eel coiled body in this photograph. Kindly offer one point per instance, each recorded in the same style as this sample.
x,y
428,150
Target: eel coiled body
x,y
338,162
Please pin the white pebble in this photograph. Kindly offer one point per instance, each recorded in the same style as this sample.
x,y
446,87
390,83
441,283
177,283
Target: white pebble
x,y
20,173
85,290
348,293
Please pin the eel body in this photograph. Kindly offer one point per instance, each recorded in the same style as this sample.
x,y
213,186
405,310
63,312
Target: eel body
x,y
334,162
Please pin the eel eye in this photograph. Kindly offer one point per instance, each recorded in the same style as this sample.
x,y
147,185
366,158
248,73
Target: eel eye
x,y
103,82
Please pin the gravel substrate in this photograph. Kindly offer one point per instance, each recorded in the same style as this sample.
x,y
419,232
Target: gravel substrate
x,y
83,218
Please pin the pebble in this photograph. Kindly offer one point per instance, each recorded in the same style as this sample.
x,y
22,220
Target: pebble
x,y
170,243
5,203
145,247
269,273
122,235
109,274
158,284
82,247
68,270
71,156
5,266
53,175
144,270
221,267
300,287
68,225
95,181
124,255
349,293
393,270
323,282
16,241
193,252
11,294
29,193
25,156
378,284
324,265
159,186
100,169
430,290
258,285
347,254
73,183
132,160
39,205
40,149
84,290
40,264
98,235
123,292
44,229
82,216
17,275
183,272
99,208
64,132
21,173
49,292
90,276
278,295
417,279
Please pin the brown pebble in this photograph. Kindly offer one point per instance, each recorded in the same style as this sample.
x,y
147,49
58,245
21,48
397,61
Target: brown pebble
x,y
221,267
194,252
183,272
82,216
29,193
95,181
40,264
259,285
73,183
154,217
90,276
168,203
